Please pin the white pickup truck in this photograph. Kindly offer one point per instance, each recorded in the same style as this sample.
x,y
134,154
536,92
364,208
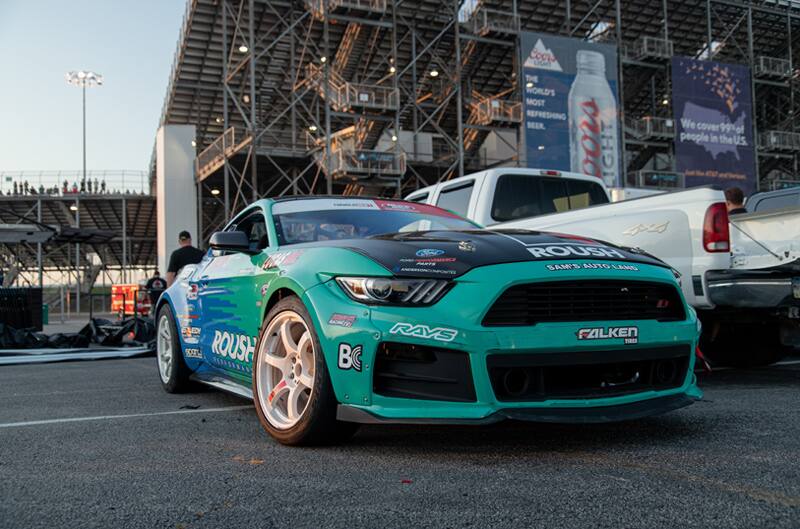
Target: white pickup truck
x,y
687,229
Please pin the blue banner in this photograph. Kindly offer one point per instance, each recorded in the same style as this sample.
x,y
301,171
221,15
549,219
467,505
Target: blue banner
x,y
712,103
570,101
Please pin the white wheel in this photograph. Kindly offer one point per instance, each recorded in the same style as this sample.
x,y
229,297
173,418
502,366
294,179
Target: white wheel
x,y
164,349
286,369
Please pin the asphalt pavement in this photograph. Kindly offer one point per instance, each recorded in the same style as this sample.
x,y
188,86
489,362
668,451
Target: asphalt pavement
x,y
99,444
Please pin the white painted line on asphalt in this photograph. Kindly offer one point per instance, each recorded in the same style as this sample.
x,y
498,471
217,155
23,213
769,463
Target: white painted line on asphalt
x,y
129,416
787,363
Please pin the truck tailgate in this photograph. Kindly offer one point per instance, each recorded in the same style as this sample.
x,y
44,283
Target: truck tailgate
x,y
764,240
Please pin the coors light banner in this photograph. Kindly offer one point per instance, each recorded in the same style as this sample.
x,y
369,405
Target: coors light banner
x,y
570,91
713,112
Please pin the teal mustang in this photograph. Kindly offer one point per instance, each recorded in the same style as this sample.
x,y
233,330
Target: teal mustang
x,y
334,311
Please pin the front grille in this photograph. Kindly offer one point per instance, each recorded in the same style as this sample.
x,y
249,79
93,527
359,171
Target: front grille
x,y
594,300
592,374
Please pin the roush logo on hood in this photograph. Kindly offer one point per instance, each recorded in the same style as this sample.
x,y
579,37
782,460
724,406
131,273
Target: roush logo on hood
x,y
574,250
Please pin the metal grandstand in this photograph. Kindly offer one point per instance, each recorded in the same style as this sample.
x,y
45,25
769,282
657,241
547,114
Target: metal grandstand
x,y
381,96
57,228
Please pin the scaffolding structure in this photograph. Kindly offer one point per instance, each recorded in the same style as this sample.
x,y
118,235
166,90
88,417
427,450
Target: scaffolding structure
x,y
382,96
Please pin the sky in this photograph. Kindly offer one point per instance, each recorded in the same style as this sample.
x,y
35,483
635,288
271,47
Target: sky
x,y
130,43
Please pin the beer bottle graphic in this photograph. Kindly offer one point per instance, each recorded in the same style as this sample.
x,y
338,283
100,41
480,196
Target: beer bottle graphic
x,y
594,142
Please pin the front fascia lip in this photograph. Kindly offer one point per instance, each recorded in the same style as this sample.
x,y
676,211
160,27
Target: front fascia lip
x,y
440,286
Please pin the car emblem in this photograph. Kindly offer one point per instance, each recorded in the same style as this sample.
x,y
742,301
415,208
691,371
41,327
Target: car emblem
x,y
466,246
429,252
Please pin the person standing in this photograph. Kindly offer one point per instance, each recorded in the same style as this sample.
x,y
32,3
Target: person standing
x,y
155,287
186,254
734,201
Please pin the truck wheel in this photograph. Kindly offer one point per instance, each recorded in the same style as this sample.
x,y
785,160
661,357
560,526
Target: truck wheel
x,y
172,369
292,389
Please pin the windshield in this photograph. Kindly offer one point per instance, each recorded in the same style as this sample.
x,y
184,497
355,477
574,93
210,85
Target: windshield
x,y
328,219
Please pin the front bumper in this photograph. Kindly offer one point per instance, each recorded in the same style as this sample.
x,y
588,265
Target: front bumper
x,y
362,399
767,289
589,415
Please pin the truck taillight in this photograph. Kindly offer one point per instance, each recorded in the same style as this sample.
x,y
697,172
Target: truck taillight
x,y
716,237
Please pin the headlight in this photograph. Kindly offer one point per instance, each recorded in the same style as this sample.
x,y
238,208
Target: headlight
x,y
390,291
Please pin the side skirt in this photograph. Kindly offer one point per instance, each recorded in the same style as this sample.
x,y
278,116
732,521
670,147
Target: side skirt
x,y
223,383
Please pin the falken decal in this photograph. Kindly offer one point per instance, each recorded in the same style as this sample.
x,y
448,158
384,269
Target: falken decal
x,y
441,334
350,356
192,352
592,266
280,259
233,346
342,320
629,335
570,250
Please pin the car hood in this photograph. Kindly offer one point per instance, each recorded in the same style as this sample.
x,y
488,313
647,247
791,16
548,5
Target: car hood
x,y
446,254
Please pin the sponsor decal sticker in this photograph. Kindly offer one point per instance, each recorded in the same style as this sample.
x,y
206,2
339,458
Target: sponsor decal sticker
x,y
280,259
415,269
192,352
233,346
429,252
264,289
191,293
592,266
572,250
466,246
350,356
342,320
629,335
190,331
441,334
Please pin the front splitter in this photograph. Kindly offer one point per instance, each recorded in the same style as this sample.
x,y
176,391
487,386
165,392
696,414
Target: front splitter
x,y
584,415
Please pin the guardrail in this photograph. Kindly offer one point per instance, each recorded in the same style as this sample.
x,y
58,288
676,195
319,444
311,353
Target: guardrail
x,y
342,95
651,127
649,48
317,7
69,182
492,109
484,20
772,67
778,140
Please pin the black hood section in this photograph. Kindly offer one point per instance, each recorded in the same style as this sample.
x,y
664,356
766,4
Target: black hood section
x,y
448,254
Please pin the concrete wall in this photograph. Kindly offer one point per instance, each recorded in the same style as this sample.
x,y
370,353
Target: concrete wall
x,y
176,190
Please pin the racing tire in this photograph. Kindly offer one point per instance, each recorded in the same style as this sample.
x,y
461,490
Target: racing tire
x,y
292,389
172,369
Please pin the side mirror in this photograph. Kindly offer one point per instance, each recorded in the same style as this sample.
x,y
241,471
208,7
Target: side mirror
x,y
231,241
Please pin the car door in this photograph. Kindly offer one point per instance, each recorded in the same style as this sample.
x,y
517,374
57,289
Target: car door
x,y
230,292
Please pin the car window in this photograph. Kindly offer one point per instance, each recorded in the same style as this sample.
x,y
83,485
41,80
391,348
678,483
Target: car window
x,y
456,198
255,227
554,196
298,224
419,198
583,194
516,197
776,202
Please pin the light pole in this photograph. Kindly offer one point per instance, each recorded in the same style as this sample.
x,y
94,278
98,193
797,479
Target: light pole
x,y
83,79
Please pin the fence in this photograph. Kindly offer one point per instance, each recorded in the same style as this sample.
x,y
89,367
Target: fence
x,y
72,182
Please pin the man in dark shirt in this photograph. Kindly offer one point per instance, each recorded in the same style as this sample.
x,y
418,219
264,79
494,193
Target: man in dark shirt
x,y
155,286
186,254
734,200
